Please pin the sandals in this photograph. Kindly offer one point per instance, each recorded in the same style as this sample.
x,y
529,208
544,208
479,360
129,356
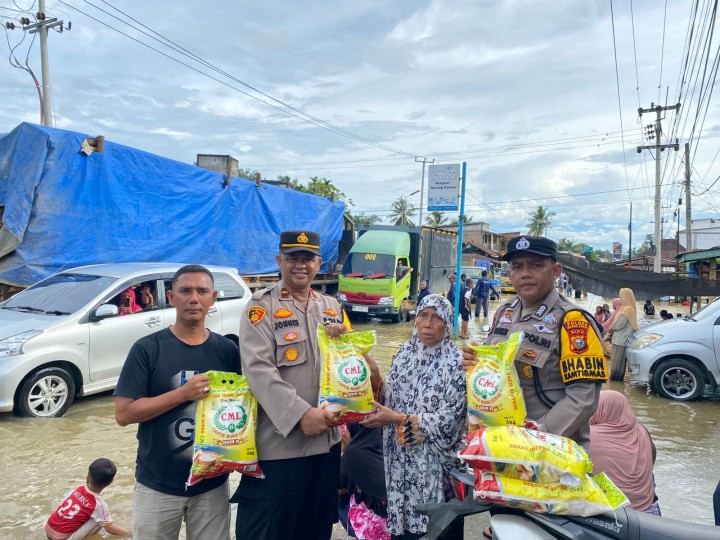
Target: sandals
x,y
487,533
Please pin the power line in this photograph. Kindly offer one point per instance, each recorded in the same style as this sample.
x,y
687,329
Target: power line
x,y
479,156
606,136
28,9
15,10
555,197
662,51
637,80
617,82
281,106
707,189
713,74
685,81
512,211
314,119
704,89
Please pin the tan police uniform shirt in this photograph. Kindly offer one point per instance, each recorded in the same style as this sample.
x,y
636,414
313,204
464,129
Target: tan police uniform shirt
x,y
538,363
281,360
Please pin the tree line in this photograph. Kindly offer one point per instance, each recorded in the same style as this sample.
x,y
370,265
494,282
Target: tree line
x,y
403,212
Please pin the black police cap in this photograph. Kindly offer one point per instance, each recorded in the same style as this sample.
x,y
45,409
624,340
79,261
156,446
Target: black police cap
x,y
292,241
539,245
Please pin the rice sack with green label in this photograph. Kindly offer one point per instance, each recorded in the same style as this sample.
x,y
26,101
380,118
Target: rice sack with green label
x,y
493,388
345,387
592,496
225,423
527,454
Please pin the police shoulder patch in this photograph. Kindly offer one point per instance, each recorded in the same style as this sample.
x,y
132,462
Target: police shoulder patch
x,y
255,314
581,352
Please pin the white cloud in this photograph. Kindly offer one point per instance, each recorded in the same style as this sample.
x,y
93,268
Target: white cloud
x,y
521,90
170,133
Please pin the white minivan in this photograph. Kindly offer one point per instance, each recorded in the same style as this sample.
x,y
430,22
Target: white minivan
x,y
678,357
68,335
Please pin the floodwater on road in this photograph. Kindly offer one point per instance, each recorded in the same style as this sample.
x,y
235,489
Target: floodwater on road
x,y
44,458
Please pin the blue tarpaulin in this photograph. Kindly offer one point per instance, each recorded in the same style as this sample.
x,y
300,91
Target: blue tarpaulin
x,y
63,208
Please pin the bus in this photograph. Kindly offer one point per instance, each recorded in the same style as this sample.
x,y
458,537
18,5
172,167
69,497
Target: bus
x,y
504,279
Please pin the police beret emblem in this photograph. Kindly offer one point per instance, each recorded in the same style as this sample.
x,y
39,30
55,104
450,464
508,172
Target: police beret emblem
x,y
302,239
522,243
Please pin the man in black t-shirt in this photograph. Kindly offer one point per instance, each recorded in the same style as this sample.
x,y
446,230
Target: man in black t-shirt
x,y
163,377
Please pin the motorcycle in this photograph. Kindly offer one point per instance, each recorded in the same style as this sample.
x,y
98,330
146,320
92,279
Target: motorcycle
x,y
511,523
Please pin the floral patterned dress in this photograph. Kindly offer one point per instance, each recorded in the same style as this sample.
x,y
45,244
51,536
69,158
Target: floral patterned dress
x,y
428,382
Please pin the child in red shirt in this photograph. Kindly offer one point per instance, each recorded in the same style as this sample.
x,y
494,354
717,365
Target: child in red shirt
x,y
83,513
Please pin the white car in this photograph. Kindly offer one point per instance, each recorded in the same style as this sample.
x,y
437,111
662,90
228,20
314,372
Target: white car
x,y
678,357
64,337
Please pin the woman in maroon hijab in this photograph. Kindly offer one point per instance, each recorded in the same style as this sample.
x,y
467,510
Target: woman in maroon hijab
x,y
621,447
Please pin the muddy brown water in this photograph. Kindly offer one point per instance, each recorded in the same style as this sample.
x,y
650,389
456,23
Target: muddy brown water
x,y
44,458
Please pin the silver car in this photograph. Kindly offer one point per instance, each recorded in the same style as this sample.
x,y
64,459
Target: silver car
x,y
678,357
65,336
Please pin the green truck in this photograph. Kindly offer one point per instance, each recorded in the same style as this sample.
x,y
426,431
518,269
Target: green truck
x,y
386,264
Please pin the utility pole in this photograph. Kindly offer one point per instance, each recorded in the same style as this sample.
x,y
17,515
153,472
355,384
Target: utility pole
x,y
677,239
688,215
630,239
42,26
422,185
657,260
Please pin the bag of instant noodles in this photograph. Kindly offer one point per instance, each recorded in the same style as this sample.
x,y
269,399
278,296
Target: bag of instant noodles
x,y
225,423
345,387
526,454
493,388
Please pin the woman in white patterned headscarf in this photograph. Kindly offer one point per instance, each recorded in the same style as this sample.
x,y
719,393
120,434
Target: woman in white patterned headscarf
x,y
423,411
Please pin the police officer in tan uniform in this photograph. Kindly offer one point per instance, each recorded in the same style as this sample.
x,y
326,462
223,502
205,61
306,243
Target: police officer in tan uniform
x,y
296,441
560,361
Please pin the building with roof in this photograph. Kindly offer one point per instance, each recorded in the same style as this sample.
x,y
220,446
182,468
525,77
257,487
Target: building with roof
x,y
479,242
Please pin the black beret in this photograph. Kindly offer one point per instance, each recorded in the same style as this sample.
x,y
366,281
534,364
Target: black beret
x,y
292,241
539,245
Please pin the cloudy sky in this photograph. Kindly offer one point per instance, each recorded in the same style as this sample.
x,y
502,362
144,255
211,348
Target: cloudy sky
x,y
524,91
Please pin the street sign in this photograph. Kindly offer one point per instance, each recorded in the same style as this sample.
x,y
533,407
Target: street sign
x,y
443,185
617,251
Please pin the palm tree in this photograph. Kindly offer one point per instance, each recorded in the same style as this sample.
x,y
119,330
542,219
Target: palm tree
x,y
539,221
465,219
321,187
366,219
566,244
436,219
402,212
